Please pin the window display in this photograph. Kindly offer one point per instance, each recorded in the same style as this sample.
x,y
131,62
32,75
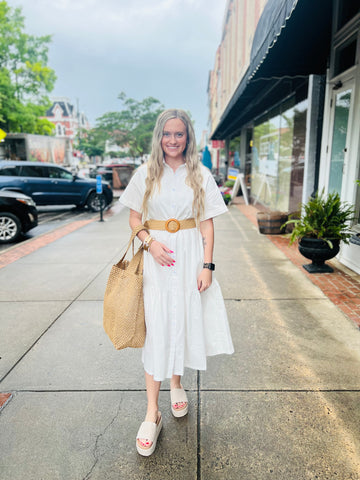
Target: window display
x,y
278,157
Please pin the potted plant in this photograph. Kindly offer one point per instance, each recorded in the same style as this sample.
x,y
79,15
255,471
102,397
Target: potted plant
x,y
323,223
226,191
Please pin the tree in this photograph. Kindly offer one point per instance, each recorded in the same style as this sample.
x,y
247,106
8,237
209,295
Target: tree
x,y
25,78
93,142
132,126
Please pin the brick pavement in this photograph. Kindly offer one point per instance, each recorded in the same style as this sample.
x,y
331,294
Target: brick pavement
x,y
342,286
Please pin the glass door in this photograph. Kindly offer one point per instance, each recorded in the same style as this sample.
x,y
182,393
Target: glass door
x,y
341,103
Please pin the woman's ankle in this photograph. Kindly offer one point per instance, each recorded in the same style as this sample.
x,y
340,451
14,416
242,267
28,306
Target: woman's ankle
x,y
175,382
152,414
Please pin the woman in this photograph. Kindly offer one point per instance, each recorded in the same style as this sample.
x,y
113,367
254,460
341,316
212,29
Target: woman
x,y
176,198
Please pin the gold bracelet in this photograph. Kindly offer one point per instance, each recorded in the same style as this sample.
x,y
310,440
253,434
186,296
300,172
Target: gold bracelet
x,y
147,242
147,239
150,242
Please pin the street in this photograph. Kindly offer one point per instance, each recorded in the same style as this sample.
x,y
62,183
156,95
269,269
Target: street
x,y
284,406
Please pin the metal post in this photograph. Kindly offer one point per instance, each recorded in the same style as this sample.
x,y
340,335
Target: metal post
x,y
101,209
99,191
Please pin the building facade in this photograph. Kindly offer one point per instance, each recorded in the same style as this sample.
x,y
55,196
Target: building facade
x,y
67,119
233,55
296,108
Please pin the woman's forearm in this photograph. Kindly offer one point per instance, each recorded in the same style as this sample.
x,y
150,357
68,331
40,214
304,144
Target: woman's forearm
x,y
207,233
135,219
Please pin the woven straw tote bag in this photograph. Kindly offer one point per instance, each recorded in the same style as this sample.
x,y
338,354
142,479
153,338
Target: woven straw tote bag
x,y
124,319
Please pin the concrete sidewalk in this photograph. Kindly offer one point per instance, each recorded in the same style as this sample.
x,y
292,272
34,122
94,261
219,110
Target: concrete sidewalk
x,y
285,406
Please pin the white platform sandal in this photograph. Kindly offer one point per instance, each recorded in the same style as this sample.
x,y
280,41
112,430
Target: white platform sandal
x,y
149,431
178,395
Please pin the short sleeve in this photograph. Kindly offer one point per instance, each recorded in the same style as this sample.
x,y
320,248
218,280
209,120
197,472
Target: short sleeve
x,y
214,203
133,194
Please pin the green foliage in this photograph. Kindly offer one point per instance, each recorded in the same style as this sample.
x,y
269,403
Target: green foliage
x,y
226,197
234,144
93,142
118,154
133,125
25,78
229,183
324,217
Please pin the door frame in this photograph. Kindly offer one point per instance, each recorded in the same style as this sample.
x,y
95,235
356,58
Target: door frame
x,y
348,82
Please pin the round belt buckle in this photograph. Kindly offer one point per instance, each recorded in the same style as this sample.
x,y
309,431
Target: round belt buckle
x,y
172,225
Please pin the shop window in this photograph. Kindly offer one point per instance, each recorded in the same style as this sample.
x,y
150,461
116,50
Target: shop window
x,y
345,56
278,158
347,9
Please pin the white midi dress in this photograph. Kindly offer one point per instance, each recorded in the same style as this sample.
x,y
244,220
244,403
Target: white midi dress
x,y
183,326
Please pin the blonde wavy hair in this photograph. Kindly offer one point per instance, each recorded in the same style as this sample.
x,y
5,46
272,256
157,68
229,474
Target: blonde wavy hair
x,y
155,166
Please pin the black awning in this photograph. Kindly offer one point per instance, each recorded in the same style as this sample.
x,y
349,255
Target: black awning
x,y
292,39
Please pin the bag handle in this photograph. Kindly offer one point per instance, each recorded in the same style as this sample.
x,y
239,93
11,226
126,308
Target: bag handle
x,y
137,262
135,231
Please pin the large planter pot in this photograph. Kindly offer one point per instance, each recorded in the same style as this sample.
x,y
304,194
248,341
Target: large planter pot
x,y
318,251
270,223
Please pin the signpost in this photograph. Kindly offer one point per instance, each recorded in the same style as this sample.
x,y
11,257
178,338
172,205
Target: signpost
x,y
99,192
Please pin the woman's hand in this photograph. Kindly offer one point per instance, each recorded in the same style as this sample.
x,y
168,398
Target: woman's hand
x,y
204,279
160,252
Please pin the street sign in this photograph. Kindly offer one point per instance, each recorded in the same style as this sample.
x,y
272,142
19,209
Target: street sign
x,y
98,184
2,135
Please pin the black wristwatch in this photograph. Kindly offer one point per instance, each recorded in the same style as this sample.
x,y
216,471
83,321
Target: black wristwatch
x,y
210,266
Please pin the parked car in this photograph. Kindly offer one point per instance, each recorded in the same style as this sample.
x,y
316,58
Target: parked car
x,y
18,215
117,174
50,184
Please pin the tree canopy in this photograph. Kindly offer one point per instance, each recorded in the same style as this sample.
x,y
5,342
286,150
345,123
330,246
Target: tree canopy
x,y
132,126
25,77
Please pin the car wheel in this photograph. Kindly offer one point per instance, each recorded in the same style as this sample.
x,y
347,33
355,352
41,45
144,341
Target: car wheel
x,y
95,202
10,227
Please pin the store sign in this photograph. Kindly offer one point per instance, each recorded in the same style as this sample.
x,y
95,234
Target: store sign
x,y
233,173
218,143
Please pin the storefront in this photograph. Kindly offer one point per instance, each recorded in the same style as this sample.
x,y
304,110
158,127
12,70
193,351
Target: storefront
x,y
300,99
340,158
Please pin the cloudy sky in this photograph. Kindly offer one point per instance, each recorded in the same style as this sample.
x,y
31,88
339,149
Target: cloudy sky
x,y
159,48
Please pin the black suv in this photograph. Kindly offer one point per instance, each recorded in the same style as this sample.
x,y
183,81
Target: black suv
x,y
50,184
18,215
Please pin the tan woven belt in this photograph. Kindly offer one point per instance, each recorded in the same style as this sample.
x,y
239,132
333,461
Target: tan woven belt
x,y
172,225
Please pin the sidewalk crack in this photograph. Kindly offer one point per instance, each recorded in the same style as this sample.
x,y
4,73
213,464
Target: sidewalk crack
x,y
97,455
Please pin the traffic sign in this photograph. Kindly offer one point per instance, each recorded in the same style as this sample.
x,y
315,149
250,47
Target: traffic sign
x,y
2,135
98,184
